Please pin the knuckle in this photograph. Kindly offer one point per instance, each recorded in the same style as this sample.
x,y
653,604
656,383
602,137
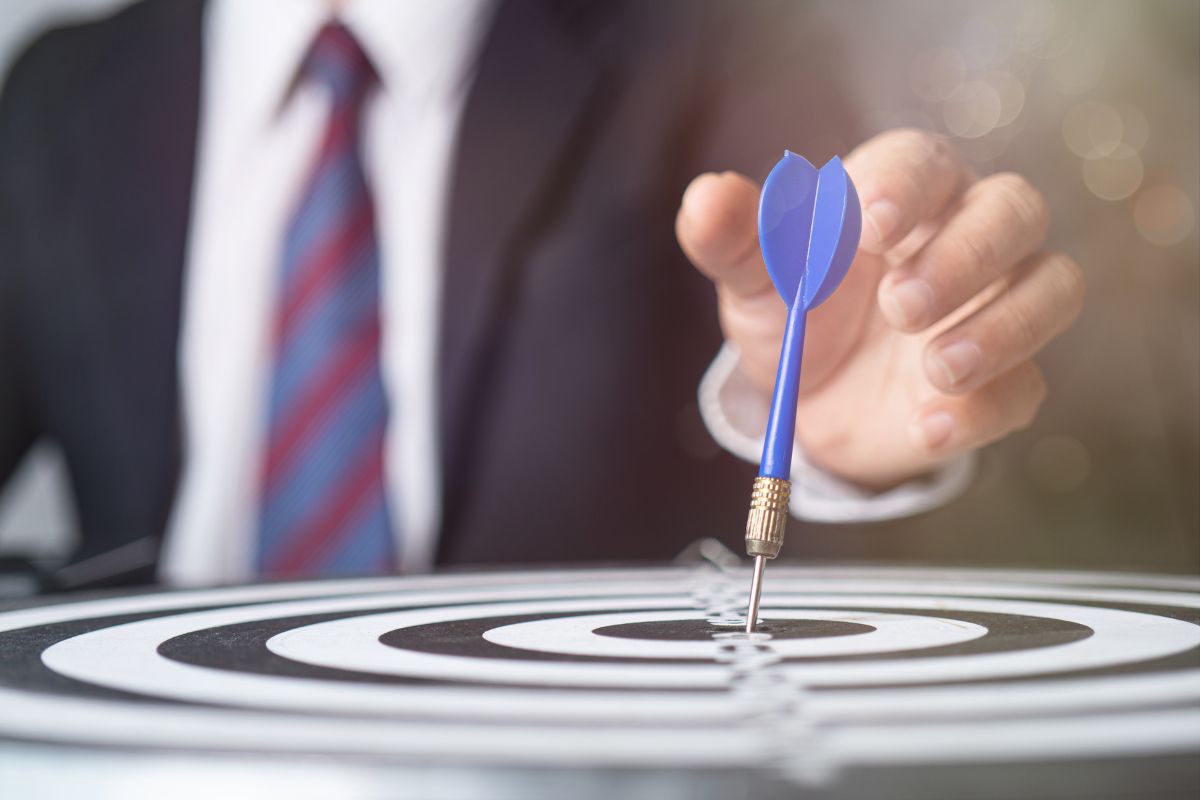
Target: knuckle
x,y
1022,327
922,146
973,254
897,182
1068,278
915,137
908,146
905,136
1023,200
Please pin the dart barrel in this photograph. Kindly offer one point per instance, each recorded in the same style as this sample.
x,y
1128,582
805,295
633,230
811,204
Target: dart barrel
x,y
768,516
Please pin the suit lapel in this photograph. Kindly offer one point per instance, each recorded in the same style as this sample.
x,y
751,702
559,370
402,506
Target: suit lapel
x,y
132,148
536,76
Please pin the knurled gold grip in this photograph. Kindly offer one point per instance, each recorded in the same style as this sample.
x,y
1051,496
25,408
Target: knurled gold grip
x,y
768,516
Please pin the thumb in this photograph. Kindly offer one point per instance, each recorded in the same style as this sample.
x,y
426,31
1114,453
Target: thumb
x,y
717,228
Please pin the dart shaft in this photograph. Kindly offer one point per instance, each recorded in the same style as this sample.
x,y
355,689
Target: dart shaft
x,y
781,425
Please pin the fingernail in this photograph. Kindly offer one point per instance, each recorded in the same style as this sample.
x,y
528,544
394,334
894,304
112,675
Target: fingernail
x,y
932,431
883,217
958,361
909,303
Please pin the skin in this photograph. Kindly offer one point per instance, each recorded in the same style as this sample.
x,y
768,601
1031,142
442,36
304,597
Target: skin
x,y
925,351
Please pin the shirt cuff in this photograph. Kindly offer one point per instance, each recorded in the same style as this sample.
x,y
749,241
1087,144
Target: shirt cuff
x,y
735,413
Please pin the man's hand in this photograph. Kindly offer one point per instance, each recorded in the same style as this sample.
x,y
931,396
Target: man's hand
x,y
925,350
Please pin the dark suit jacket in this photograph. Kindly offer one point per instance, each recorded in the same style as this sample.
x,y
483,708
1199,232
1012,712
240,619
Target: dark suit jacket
x,y
574,332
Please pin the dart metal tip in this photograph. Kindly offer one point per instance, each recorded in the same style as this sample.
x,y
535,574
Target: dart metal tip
x,y
760,565
764,533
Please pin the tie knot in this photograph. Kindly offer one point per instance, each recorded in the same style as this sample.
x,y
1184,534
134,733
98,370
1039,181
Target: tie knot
x,y
337,62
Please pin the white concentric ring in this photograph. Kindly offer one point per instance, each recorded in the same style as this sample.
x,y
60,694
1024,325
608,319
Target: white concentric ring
x,y
576,635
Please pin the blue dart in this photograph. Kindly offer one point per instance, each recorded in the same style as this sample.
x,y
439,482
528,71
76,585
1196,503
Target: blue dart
x,y
809,223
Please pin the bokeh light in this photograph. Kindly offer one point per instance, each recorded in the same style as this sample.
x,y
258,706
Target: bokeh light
x,y
1136,128
1011,93
1114,176
1009,60
973,110
1093,129
1164,214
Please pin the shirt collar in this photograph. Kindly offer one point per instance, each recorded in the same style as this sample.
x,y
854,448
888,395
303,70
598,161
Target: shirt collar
x,y
423,52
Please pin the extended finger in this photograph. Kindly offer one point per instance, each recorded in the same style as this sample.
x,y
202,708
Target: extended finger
x,y
948,426
903,177
1001,220
717,227
1043,299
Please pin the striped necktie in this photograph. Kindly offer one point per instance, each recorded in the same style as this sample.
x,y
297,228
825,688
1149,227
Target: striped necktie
x,y
323,509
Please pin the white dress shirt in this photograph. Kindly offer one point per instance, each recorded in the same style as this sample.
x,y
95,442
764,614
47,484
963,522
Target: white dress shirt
x,y
259,133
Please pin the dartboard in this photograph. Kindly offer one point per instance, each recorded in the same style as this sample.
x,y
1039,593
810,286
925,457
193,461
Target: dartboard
x,y
640,673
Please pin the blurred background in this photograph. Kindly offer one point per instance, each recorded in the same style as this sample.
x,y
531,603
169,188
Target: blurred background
x,y
1097,103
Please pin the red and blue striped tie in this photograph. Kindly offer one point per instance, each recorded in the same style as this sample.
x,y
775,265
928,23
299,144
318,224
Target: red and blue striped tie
x,y
323,506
